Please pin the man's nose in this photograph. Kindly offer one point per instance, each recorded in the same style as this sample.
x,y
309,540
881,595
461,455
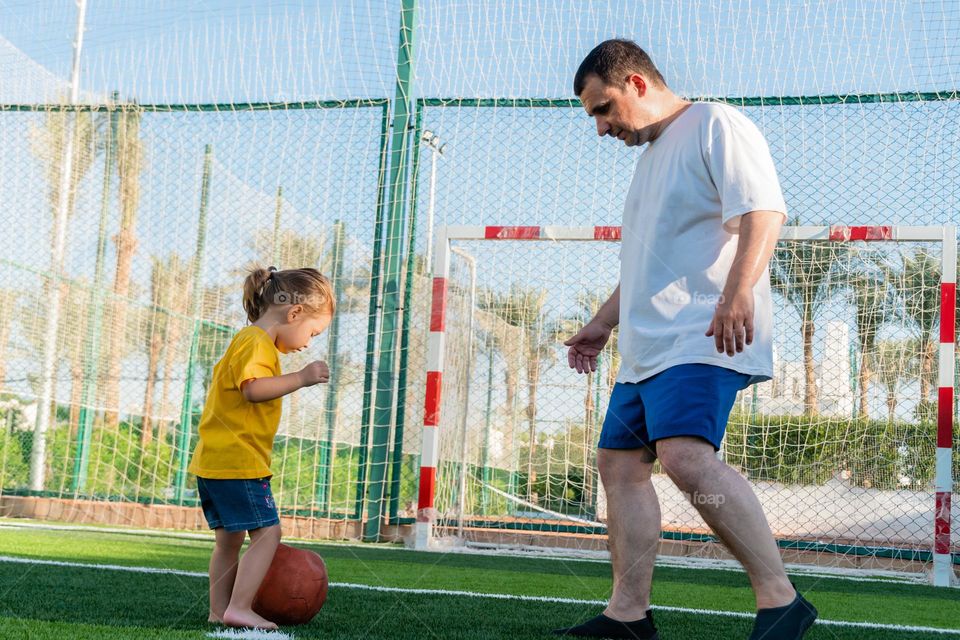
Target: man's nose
x,y
603,127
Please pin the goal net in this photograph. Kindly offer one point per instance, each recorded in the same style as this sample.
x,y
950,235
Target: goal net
x,y
847,447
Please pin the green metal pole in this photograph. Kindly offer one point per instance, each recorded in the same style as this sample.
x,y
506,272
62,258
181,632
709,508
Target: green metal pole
x,y
397,467
384,402
375,277
95,315
186,410
327,451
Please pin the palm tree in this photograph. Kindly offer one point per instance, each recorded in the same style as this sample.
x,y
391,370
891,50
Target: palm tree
x,y
523,308
804,274
129,166
48,143
156,322
870,296
896,362
70,342
8,304
588,303
501,336
291,248
178,289
918,284
62,130
167,279
219,316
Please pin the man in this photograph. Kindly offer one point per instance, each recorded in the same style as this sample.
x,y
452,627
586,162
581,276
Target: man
x,y
701,220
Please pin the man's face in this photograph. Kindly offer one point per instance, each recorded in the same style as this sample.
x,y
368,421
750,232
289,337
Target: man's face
x,y
619,110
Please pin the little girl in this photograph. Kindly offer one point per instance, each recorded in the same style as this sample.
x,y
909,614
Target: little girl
x,y
232,459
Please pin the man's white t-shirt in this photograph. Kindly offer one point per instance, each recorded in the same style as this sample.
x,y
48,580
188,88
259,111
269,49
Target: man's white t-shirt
x,y
709,166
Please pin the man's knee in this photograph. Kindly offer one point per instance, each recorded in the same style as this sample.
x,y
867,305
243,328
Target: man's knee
x,y
624,466
686,461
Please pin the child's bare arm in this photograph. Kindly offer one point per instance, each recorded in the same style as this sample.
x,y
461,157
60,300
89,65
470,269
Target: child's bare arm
x,y
263,389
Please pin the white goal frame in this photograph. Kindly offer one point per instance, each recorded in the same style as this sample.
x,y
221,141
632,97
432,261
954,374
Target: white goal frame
x,y
430,451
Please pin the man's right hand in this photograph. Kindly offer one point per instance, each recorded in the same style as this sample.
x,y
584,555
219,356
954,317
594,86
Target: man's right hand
x,y
314,373
587,345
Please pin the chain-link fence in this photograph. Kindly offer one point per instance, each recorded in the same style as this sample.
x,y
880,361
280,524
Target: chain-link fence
x,y
132,224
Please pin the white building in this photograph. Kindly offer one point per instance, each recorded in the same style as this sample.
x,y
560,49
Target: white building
x,y
785,393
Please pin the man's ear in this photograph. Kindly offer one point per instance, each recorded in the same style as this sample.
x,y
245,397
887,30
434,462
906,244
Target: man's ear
x,y
637,83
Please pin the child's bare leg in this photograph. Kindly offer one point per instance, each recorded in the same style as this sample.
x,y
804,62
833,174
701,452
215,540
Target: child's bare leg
x,y
253,567
223,570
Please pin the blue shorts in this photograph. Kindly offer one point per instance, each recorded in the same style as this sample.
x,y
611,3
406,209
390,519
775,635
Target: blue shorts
x,y
684,400
237,505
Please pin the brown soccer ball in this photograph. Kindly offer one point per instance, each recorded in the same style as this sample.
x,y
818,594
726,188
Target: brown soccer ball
x,y
294,588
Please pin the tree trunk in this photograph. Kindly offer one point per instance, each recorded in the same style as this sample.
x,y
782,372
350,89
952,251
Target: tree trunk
x,y
153,360
891,405
510,381
169,353
533,381
926,369
864,381
810,392
510,409
129,158
126,246
6,320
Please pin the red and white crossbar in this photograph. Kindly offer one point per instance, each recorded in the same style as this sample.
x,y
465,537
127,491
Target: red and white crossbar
x,y
430,451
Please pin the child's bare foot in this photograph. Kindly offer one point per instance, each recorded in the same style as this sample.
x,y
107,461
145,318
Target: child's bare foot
x,y
214,618
246,618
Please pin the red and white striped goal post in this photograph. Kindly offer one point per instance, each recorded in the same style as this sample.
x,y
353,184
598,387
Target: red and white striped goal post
x,y
947,235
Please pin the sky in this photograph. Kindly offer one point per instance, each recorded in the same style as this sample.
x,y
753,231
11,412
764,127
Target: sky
x,y
244,50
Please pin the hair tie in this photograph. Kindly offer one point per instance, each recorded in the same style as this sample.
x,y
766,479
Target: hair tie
x,y
267,279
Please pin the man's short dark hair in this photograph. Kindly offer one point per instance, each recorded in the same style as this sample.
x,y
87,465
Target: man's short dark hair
x,y
613,61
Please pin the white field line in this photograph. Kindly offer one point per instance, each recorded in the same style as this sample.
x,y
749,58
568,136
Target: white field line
x,y
492,549
492,596
249,634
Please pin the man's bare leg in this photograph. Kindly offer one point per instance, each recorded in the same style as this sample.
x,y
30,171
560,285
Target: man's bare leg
x,y
727,503
633,526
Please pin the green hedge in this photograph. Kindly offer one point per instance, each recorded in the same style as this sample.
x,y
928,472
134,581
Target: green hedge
x,y
785,449
813,450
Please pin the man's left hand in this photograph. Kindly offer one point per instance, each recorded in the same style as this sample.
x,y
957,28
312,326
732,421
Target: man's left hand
x,y
732,324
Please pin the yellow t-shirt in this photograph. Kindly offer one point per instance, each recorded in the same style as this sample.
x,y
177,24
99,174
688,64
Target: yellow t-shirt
x,y
236,436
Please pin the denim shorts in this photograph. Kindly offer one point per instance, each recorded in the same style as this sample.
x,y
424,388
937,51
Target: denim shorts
x,y
237,505
684,400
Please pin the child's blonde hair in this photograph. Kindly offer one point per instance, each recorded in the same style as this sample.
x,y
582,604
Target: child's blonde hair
x,y
265,287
